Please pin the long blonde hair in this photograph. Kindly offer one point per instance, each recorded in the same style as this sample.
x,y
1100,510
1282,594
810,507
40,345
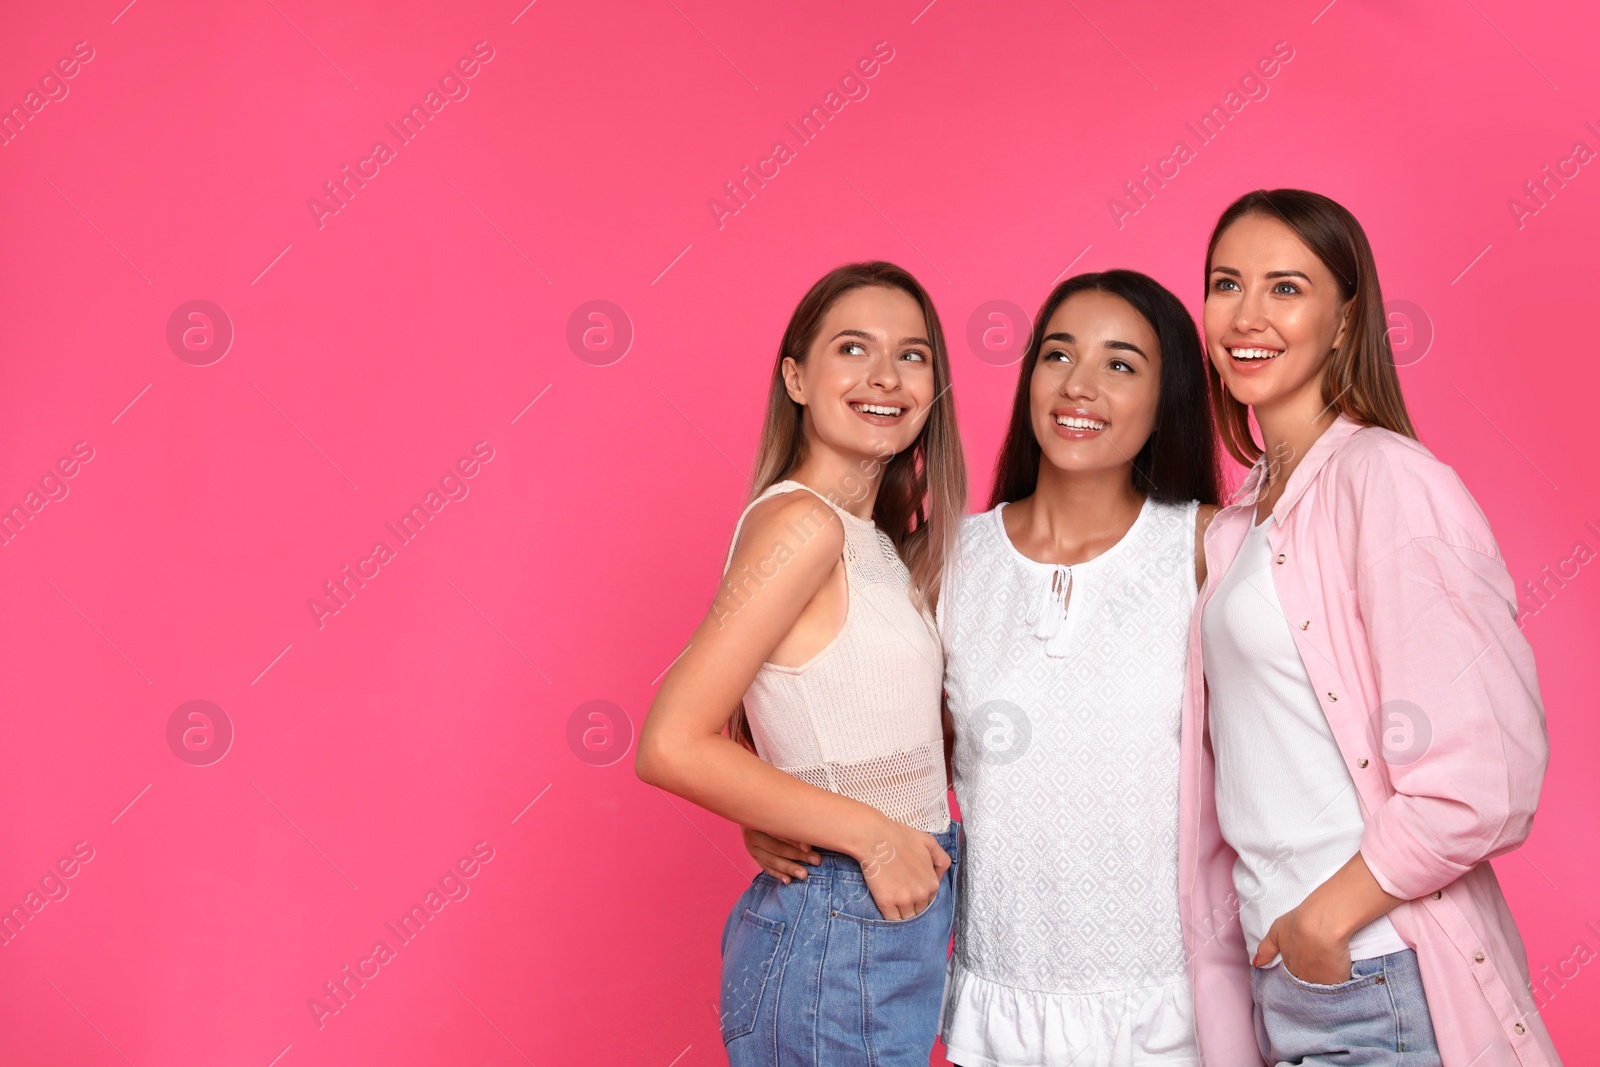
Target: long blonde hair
x,y
923,492
1360,380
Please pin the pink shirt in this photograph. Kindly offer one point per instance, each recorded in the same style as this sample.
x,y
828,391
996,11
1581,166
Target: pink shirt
x,y
1405,618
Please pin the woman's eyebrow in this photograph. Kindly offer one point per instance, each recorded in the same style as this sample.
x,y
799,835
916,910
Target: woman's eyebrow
x,y
1123,346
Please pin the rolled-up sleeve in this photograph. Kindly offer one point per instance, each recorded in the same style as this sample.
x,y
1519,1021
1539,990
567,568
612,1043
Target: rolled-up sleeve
x,y
1459,704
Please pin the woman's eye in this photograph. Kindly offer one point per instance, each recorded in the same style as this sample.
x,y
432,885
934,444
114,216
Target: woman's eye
x,y
853,348
1223,285
1286,288
1058,354
920,357
1122,365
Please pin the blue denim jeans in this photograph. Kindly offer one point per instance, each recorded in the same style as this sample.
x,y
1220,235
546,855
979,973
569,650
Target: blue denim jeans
x,y
814,975
1378,1017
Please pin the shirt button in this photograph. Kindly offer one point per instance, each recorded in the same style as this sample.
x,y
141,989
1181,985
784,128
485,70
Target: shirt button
x,y
1305,624
1438,894
1519,1028
1478,956
1282,557
1362,762
1333,696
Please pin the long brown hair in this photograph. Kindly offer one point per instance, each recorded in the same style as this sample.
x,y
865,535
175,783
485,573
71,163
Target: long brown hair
x,y
1360,380
923,492
1179,460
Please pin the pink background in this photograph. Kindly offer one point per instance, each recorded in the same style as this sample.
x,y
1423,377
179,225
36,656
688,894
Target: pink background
x,y
372,352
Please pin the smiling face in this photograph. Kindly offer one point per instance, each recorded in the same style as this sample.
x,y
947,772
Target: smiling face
x,y
867,381
1093,394
1274,312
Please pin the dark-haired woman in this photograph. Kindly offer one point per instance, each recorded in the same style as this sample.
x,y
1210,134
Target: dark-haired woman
x,y
1065,616
1363,729
823,629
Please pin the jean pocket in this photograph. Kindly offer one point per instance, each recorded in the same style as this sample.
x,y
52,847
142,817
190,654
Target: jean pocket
x,y
746,969
1362,974
854,903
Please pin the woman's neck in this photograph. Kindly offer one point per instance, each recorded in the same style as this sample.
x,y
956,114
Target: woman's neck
x,y
851,482
1288,430
1073,515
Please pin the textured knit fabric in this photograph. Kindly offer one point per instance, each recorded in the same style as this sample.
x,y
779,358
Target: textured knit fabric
x,y
861,717
1406,621
1285,801
1066,686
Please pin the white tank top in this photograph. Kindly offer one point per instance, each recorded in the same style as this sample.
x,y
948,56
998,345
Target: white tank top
x,y
1069,948
861,717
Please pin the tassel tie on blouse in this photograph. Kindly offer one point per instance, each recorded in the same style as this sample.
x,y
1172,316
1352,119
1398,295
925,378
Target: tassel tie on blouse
x,y
1048,616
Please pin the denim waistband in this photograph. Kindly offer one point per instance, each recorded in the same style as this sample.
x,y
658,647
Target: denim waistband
x,y
844,866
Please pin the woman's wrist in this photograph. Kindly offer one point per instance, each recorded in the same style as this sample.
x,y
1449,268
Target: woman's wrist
x,y
1328,919
1346,902
867,835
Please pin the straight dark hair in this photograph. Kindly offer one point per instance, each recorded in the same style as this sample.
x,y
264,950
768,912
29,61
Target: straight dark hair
x,y
1179,461
1360,380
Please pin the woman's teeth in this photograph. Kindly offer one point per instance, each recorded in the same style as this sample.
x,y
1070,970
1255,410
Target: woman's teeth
x,y
879,409
1254,353
1072,422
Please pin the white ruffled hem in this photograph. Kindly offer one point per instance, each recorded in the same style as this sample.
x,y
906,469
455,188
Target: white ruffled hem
x,y
986,1024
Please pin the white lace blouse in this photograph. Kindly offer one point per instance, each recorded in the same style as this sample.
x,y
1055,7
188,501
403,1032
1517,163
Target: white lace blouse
x,y
1066,687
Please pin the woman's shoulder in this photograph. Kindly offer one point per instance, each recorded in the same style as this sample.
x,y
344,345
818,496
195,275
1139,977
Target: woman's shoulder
x,y
1178,521
977,534
1383,480
793,522
979,549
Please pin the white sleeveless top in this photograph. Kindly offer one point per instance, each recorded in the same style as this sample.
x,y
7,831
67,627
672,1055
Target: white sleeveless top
x,y
861,717
1068,948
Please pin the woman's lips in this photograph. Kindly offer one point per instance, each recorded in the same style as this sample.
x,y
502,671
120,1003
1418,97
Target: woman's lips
x,y
877,413
1078,425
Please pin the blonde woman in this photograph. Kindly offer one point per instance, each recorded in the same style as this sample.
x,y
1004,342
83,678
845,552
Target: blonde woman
x,y
823,628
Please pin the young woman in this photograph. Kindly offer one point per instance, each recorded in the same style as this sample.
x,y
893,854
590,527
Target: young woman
x,y
1065,621
1363,728
823,627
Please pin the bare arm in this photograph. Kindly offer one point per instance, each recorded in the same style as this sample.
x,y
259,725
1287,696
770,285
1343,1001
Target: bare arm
x,y
771,579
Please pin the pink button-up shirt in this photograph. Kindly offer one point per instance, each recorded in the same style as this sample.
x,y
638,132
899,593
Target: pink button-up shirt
x,y
1405,618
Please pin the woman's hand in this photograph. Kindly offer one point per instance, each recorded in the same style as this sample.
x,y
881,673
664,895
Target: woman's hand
x,y
1310,953
779,858
904,868
1315,937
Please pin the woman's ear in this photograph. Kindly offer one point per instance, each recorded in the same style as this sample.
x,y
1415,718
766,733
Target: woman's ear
x,y
791,380
1344,323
